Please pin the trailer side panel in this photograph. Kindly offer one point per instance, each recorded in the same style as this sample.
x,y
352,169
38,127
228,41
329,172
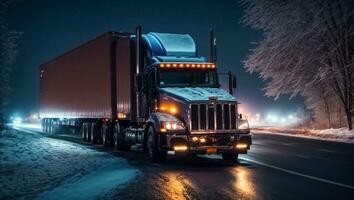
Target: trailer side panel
x,y
77,84
124,76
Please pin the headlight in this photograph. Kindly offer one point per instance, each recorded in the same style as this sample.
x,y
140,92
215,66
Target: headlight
x,y
173,125
243,124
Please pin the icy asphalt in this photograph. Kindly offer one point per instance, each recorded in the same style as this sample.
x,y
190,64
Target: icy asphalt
x,y
33,166
277,167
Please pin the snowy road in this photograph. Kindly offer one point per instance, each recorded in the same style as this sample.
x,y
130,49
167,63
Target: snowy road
x,y
277,167
35,166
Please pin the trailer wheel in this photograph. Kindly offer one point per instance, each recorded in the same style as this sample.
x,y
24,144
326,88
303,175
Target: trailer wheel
x,y
54,126
88,132
119,138
116,132
50,126
152,147
230,157
94,133
104,134
83,131
110,132
43,125
46,125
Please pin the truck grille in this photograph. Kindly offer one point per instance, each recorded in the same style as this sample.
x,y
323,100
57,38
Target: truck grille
x,y
213,117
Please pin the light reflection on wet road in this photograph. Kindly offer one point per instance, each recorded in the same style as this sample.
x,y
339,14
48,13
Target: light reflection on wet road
x,y
243,182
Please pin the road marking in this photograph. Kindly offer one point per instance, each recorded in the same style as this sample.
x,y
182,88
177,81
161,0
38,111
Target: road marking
x,y
326,150
287,144
300,174
302,156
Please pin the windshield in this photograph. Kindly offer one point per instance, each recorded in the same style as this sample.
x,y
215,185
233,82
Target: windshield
x,y
187,77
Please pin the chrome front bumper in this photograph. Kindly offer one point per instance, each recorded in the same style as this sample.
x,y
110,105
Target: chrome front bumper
x,y
222,142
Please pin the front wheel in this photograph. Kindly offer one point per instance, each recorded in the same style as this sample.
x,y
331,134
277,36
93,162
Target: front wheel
x,y
152,147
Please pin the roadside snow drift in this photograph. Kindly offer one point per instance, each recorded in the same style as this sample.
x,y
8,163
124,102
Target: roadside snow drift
x,y
33,166
337,135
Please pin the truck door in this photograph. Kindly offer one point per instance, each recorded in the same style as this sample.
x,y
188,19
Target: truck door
x,y
150,92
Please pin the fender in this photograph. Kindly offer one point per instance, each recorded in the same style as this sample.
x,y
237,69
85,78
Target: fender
x,y
155,119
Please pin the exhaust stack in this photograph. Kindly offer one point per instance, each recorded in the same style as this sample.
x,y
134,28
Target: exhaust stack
x,y
138,64
213,50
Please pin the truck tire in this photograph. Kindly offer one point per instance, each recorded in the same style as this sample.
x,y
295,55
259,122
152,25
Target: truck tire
x,y
50,126
110,131
94,133
88,132
104,134
152,147
46,125
230,157
119,138
43,125
54,126
83,131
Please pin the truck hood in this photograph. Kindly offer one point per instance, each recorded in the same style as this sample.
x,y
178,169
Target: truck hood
x,y
199,93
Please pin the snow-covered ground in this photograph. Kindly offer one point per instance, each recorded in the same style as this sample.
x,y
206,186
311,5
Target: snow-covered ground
x,y
35,166
338,135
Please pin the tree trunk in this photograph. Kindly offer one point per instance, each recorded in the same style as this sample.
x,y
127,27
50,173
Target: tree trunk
x,y
328,112
340,115
349,119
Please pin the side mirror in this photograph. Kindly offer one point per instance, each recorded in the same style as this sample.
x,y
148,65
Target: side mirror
x,y
234,82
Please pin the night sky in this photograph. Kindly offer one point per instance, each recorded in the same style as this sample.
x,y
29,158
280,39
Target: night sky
x,y
54,27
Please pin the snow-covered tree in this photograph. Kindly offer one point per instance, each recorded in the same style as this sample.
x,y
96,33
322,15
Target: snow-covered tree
x,y
8,41
306,43
318,99
324,103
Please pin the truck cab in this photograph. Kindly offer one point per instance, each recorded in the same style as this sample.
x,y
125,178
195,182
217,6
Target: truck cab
x,y
180,98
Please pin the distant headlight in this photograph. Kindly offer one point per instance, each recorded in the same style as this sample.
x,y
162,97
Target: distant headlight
x,y
243,124
17,120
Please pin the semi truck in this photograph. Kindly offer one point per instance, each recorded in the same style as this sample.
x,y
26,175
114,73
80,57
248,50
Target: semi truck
x,y
145,91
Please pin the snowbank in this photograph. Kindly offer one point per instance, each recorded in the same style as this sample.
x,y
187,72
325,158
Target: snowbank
x,y
32,166
338,135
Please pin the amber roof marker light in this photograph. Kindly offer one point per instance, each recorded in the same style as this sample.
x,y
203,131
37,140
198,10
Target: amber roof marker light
x,y
188,65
